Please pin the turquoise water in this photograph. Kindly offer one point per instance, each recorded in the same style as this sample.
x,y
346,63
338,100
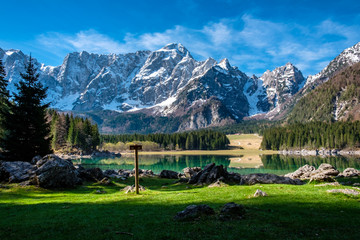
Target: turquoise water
x,y
277,164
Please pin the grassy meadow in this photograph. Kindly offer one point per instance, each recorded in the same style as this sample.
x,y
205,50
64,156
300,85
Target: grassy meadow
x,y
244,144
289,212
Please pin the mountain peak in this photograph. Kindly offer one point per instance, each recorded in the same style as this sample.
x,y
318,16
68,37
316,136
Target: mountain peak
x,y
224,64
178,47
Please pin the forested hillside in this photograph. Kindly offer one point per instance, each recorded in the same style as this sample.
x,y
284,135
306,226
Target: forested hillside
x,y
336,99
69,132
313,135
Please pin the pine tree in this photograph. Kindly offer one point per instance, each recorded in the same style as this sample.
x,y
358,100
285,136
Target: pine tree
x,y
4,102
28,132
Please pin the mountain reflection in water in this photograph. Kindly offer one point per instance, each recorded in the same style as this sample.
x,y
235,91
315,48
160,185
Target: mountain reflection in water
x,y
277,164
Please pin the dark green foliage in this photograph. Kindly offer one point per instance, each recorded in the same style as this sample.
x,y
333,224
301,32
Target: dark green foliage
x,y
313,135
4,98
319,104
70,131
247,127
195,140
113,122
27,130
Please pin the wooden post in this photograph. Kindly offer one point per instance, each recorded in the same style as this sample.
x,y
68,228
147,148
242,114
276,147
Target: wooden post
x,y
136,148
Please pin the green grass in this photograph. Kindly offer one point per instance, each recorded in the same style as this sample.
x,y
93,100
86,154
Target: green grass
x,y
290,212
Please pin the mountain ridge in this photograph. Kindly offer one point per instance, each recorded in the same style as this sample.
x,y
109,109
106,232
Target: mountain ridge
x,y
170,83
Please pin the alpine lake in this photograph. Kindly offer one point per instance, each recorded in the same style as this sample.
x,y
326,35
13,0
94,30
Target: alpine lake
x,y
275,163
243,157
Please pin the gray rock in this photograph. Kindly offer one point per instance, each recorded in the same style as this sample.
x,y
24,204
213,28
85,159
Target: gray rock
x,y
56,173
210,174
193,212
268,178
132,188
302,173
111,173
189,172
169,174
218,183
345,191
15,172
350,172
35,159
232,211
325,172
260,193
95,174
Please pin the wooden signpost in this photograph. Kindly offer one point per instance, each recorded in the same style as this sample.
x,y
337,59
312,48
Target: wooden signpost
x,y
136,148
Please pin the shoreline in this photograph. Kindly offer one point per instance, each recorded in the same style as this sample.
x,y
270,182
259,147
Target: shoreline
x,y
320,152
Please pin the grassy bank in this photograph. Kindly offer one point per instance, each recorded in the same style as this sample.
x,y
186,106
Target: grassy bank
x,y
290,212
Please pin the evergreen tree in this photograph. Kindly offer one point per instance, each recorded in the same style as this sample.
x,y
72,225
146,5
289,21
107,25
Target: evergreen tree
x,y
4,98
4,105
28,132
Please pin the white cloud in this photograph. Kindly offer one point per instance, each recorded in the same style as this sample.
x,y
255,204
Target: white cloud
x,y
250,43
89,40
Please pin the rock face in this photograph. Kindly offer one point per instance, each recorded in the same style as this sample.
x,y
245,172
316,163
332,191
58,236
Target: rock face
x,y
166,82
55,172
350,172
169,174
347,58
16,172
302,173
210,174
193,212
190,172
325,172
267,178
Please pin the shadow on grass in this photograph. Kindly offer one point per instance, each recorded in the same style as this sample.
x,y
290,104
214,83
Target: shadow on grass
x,y
139,219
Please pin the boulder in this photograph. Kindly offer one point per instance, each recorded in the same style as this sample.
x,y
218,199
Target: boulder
x,y
96,174
169,174
189,172
303,172
124,173
55,172
210,174
325,172
350,172
15,172
218,183
233,177
260,193
232,211
193,212
268,178
35,159
83,174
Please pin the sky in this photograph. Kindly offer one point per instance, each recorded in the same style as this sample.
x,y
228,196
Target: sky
x,y
254,35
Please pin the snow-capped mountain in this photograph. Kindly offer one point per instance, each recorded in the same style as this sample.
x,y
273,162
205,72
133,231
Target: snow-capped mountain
x,y
169,83
347,58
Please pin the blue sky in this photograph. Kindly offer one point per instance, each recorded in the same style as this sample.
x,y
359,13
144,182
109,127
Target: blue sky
x,y
253,35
